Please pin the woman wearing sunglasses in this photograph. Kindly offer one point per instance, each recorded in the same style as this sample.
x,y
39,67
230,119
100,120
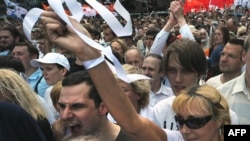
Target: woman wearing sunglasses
x,y
201,113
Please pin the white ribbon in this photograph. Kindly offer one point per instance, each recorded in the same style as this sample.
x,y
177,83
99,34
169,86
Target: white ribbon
x,y
30,20
111,20
33,15
75,8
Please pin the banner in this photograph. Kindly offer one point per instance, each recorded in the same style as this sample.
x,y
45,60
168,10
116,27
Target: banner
x,y
13,10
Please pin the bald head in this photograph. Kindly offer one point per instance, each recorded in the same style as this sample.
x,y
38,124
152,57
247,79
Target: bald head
x,y
133,57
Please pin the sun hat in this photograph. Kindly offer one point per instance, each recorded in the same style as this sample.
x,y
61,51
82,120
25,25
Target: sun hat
x,y
51,58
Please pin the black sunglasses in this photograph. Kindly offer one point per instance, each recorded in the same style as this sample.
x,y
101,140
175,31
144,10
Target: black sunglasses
x,y
193,122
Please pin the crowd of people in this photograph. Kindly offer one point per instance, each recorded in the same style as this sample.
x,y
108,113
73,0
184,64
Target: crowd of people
x,y
188,77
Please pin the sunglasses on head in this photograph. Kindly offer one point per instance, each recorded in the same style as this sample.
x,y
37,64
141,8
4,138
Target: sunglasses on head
x,y
193,122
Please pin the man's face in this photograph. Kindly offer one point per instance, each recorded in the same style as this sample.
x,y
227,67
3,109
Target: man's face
x,y
107,35
231,26
203,34
151,68
149,41
134,58
78,111
22,53
231,58
179,77
6,40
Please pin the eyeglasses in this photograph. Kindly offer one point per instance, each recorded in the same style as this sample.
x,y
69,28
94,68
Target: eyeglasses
x,y
193,122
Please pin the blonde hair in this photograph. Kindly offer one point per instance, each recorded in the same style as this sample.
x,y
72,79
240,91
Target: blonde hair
x,y
122,43
17,91
206,98
141,87
55,93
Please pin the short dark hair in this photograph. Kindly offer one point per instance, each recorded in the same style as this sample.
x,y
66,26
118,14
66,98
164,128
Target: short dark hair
x,y
31,49
10,62
14,32
236,41
190,55
152,32
79,77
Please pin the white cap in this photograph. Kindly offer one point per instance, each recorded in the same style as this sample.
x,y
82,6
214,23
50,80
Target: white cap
x,y
51,58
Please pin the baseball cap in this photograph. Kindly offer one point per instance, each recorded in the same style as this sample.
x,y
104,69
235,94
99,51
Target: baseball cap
x,y
51,58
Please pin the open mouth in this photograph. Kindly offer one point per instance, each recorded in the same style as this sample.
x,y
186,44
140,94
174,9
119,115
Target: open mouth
x,y
75,129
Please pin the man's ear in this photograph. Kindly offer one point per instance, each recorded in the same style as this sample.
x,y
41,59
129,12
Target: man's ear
x,y
244,56
103,109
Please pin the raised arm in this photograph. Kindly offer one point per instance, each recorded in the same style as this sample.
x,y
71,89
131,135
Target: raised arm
x,y
112,95
177,9
175,17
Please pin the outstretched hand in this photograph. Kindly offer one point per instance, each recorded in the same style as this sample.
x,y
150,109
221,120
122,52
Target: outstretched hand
x,y
64,36
176,9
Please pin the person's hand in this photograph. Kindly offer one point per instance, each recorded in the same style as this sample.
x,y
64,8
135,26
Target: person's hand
x,y
176,8
65,37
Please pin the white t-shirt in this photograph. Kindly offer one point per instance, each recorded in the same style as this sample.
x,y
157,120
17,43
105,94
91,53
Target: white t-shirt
x,y
49,101
214,81
163,115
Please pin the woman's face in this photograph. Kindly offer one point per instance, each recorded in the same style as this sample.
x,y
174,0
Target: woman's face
x,y
129,91
52,74
208,132
218,37
117,48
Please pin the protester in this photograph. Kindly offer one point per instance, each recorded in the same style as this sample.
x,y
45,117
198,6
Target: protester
x,y
83,111
221,37
203,111
54,67
138,92
9,36
108,35
116,101
184,65
152,67
134,57
149,39
33,75
231,63
236,91
119,46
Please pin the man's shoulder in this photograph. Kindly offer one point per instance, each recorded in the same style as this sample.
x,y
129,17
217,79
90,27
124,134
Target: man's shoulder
x,y
228,86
